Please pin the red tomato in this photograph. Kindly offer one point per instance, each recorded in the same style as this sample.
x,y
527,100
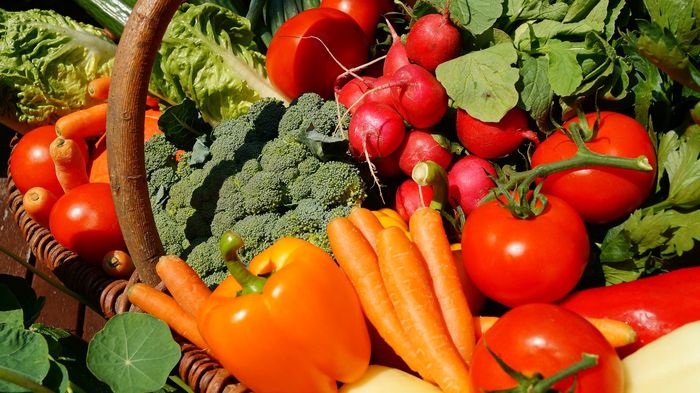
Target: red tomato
x,y
31,164
365,12
516,261
601,194
297,65
544,338
84,221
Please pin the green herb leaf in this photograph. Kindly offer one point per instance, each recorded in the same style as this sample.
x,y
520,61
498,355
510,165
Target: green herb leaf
x,y
133,353
476,16
535,9
488,92
536,93
26,297
182,124
683,169
564,70
23,352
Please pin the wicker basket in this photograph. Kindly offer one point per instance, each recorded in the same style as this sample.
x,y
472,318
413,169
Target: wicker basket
x,y
135,55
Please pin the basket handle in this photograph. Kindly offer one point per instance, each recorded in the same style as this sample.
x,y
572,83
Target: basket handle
x,y
130,76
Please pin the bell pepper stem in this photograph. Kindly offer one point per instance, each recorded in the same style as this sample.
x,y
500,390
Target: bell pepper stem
x,y
229,245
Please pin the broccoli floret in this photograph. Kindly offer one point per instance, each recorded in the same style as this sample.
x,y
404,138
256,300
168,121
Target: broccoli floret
x,y
254,230
309,166
310,111
306,221
159,153
264,192
248,170
280,154
337,183
206,260
171,234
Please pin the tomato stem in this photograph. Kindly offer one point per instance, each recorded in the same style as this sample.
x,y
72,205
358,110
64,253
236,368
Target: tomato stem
x,y
229,245
587,361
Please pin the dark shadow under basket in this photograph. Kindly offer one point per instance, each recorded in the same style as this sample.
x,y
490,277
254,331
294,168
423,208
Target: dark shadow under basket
x,y
196,368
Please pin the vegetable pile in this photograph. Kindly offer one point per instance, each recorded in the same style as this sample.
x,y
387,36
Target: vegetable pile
x,y
370,196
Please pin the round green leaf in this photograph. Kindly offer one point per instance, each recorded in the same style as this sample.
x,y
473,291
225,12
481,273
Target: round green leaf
x,y
133,353
23,352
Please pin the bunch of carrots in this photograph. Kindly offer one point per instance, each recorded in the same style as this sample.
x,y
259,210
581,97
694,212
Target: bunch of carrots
x,y
408,282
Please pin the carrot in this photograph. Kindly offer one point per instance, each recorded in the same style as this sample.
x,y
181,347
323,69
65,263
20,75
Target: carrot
x,y
166,309
69,163
99,88
429,235
617,333
186,287
368,224
409,287
37,202
84,123
359,262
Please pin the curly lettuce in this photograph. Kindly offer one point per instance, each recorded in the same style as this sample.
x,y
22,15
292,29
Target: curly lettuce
x,y
46,62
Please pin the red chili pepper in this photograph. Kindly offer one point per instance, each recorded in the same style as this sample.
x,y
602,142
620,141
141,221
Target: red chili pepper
x,y
653,306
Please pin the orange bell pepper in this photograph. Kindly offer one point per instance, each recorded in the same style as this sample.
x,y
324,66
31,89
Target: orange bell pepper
x,y
300,329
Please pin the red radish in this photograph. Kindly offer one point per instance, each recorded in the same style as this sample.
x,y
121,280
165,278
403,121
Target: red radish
x,y
396,57
419,145
418,96
375,130
468,182
410,196
380,91
353,91
433,40
388,167
494,140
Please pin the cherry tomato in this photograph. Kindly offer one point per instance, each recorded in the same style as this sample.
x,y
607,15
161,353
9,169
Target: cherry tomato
x,y
84,221
118,263
516,261
365,12
545,338
31,164
298,63
601,194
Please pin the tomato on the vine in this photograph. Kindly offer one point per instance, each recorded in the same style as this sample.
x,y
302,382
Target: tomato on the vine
x,y
601,195
546,339
31,164
84,221
516,261
297,60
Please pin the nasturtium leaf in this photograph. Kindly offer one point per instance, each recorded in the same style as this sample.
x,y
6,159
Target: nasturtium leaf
x,y
25,296
564,70
476,16
23,352
536,93
10,310
133,353
482,82
57,379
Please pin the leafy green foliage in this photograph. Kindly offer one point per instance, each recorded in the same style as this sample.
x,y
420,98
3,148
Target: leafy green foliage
x,y
133,353
22,352
182,124
476,16
18,298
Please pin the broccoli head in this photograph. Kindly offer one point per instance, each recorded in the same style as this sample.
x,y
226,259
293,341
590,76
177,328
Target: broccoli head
x,y
206,260
158,154
254,230
337,183
310,111
280,154
264,192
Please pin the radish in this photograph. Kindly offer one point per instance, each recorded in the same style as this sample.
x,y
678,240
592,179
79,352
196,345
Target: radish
x,y
375,130
494,140
433,40
380,91
419,145
396,57
468,182
410,196
353,91
388,167
418,96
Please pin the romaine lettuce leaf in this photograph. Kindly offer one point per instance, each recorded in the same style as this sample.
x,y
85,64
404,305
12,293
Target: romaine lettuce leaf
x,y
46,62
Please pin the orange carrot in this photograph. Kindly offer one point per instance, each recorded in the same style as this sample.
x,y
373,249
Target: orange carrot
x,y
183,283
84,123
69,163
359,262
99,88
368,224
37,202
430,237
166,309
616,332
409,287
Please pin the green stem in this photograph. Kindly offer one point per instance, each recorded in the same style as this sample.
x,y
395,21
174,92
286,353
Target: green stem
x,y
587,361
429,173
18,379
75,388
666,203
54,283
229,245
